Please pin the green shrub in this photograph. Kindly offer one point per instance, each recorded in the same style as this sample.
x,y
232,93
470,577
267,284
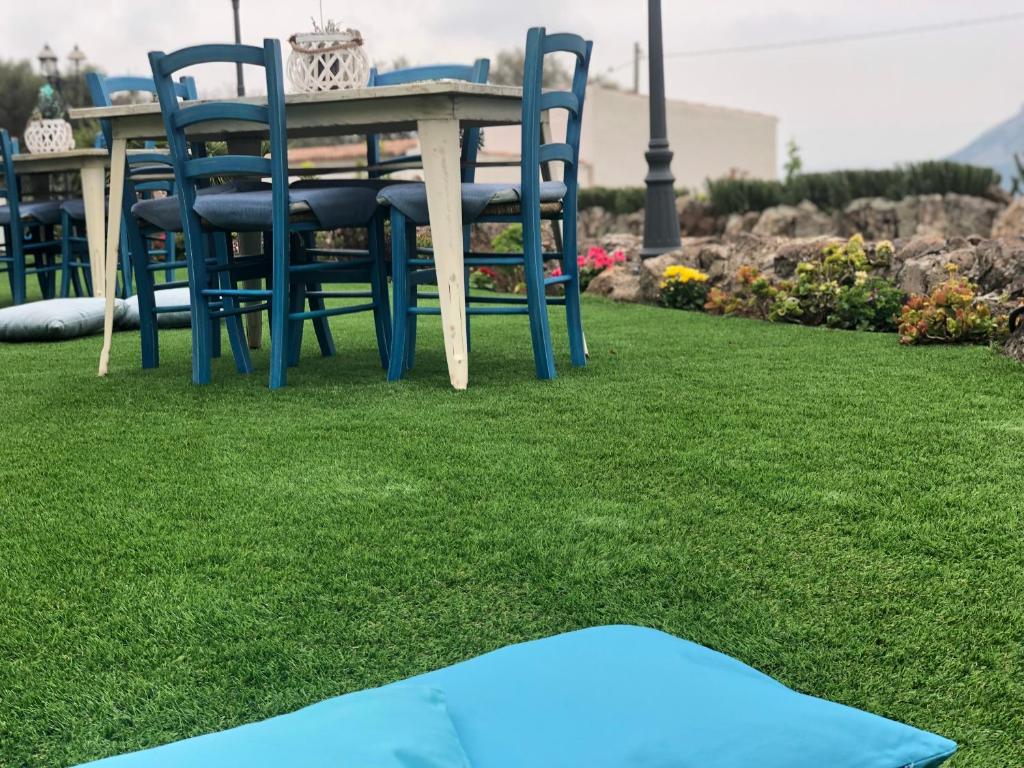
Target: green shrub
x,y
835,190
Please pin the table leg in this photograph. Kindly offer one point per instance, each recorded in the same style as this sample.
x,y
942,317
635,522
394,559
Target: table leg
x,y
118,151
439,144
93,187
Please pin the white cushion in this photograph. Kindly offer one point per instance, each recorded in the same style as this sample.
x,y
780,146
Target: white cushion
x,y
55,319
172,297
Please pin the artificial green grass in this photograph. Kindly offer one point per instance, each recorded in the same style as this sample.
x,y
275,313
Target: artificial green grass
x,y
840,512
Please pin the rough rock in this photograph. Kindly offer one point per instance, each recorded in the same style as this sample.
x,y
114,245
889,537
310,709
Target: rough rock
x,y
803,220
738,223
874,217
790,253
620,283
948,215
1009,225
696,217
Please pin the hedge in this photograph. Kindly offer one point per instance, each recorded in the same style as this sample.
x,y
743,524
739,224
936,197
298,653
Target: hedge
x,y
835,190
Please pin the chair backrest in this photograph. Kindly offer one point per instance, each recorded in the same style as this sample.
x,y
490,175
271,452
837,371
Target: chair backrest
x,y
537,101
103,88
179,119
476,72
10,179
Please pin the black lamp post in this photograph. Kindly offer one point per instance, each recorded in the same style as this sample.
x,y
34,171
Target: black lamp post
x,y
238,40
661,219
48,63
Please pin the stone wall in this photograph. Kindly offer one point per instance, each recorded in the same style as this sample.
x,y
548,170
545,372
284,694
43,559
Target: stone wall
x,y
876,218
918,264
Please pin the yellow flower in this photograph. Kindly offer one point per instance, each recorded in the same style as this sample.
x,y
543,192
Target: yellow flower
x,y
682,274
860,277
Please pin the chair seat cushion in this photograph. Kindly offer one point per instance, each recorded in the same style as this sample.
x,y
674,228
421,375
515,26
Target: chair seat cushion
x,y
605,697
168,297
75,208
331,206
411,199
55,319
162,212
36,211
380,728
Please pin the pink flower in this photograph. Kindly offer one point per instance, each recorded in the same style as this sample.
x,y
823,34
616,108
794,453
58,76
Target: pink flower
x,y
557,271
618,257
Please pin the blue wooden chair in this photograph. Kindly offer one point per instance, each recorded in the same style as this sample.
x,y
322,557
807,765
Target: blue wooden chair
x,y
282,214
528,203
102,90
29,229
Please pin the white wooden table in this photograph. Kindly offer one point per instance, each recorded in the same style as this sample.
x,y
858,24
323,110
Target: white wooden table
x,y
91,166
434,109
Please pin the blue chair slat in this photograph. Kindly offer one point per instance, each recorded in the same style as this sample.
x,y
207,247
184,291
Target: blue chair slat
x,y
227,165
287,240
409,270
568,43
201,113
221,53
473,73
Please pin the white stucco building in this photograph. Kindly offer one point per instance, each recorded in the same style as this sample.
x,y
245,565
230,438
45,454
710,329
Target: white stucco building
x,y
707,141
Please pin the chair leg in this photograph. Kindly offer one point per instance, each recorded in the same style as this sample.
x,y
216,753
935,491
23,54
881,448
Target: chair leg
x,y
148,329
537,305
296,304
170,255
400,290
279,302
573,317
236,328
18,287
467,244
65,255
379,288
411,319
321,325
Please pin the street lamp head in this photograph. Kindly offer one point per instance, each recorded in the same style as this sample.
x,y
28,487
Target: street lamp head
x,y
76,57
47,61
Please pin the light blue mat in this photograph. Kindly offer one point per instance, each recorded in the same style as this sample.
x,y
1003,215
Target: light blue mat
x,y
606,697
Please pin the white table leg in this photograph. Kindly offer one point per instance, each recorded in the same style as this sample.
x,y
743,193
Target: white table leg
x,y
439,144
117,168
93,186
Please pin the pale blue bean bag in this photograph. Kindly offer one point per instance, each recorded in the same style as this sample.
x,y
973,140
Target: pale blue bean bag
x,y
56,319
607,697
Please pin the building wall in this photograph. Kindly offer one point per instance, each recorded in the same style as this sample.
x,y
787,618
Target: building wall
x,y
707,142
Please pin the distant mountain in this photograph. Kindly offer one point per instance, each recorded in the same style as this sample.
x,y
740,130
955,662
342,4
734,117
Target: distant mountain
x,y
995,148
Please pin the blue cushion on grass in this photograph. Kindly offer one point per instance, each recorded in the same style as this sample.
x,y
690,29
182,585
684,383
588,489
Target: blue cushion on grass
x,y
411,199
55,319
607,697
381,728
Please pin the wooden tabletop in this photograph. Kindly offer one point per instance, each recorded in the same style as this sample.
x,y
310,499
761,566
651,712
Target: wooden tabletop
x,y
425,88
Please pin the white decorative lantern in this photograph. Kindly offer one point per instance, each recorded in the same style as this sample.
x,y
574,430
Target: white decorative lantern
x,y
49,135
328,61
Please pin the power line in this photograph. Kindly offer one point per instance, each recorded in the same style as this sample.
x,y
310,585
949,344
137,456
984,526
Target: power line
x,y
832,39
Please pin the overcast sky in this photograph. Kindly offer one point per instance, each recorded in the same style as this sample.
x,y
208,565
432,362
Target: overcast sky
x,y
870,103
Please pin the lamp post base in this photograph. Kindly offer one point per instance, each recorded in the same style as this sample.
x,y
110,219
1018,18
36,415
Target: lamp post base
x,y
661,220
